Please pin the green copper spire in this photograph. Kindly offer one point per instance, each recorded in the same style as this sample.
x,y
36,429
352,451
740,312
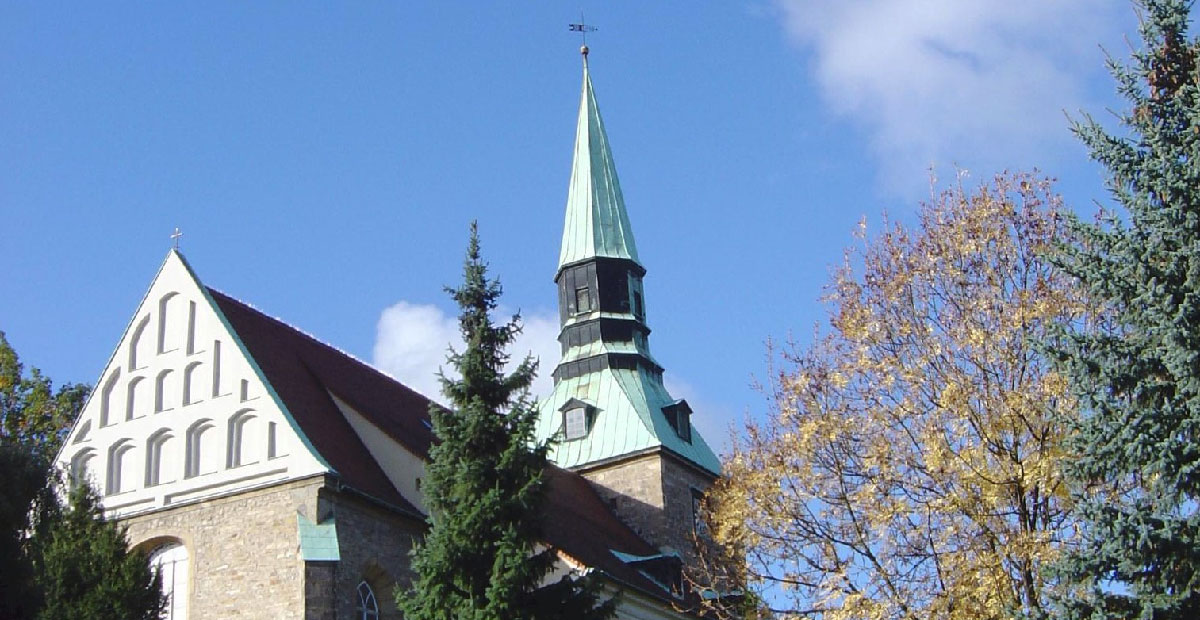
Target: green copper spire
x,y
596,222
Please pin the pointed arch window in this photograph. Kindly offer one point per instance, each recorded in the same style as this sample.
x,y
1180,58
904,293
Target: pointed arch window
x,y
367,607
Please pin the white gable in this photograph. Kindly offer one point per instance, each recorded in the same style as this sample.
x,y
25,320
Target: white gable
x,y
181,413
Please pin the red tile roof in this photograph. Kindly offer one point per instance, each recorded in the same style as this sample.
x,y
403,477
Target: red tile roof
x,y
304,372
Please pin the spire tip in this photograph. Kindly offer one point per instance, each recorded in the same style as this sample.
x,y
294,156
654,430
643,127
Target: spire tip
x,y
583,49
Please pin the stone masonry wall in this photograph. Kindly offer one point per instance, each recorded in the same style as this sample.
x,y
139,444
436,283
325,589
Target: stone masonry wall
x,y
375,545
679,480
652,493
634,490
243,550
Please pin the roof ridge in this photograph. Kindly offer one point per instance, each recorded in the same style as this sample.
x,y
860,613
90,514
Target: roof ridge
x,y
318,341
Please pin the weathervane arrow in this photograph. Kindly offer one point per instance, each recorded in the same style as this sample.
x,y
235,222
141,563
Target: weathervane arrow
x,y
582,28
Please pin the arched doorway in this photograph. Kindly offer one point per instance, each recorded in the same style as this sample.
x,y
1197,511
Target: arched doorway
x,y
170,561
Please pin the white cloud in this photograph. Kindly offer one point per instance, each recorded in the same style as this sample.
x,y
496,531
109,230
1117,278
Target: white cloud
x,y
944,82
412,340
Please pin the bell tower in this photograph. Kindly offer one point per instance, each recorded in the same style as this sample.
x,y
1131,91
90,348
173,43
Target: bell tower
x,y
610,418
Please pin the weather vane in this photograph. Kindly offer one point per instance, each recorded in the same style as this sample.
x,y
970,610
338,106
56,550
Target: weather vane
x,y
582,28
175,237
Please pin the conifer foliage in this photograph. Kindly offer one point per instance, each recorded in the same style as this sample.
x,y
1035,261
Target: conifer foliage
x,y
56,561
1136,463
481,559
85,569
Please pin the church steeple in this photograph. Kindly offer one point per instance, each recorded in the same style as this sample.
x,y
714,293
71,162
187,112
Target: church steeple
x,y
610,417
609,400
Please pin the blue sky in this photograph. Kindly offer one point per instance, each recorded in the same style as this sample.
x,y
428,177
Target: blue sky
x,y
324,159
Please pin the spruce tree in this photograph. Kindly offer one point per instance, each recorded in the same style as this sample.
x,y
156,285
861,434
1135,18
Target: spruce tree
x,y
1135,455
481,559
85,569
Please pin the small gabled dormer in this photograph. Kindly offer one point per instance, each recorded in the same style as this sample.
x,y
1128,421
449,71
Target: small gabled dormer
x,y
679,416
577,419
664,569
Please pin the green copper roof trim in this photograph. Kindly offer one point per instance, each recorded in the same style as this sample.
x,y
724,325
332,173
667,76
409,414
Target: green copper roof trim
x,y
629,419
318,542
600,347
596,221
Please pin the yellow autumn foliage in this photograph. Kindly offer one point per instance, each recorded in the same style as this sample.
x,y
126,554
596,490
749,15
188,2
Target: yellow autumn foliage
x,y
909,468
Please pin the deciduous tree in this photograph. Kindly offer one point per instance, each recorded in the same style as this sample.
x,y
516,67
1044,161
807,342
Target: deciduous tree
x,y
31,410
910,466
1136,451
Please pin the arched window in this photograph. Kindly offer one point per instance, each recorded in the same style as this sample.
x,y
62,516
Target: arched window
x,y
106,396
133,401
367,608
245,439
192,389
169,322
170,561
119,478
83,467
164,394
158,454
139,346
199,455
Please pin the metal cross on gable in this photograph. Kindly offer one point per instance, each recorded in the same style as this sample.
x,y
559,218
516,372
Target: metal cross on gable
x,y
175,237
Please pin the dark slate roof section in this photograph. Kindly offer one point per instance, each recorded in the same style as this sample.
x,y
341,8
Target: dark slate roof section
x,y
304,371
577,521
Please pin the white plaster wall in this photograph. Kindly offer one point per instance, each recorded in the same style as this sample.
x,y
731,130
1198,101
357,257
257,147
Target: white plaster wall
x,y
403,468
177,368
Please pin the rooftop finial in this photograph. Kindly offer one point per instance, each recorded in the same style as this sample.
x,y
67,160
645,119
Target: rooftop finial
x,y
175,237
582,28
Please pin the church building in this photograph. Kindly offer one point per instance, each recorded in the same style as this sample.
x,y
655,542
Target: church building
x,y
270,475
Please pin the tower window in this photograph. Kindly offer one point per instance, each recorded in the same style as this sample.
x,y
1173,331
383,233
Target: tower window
x,y
637,305
683,425
699,527
679,415
576,423
583,300
576,419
